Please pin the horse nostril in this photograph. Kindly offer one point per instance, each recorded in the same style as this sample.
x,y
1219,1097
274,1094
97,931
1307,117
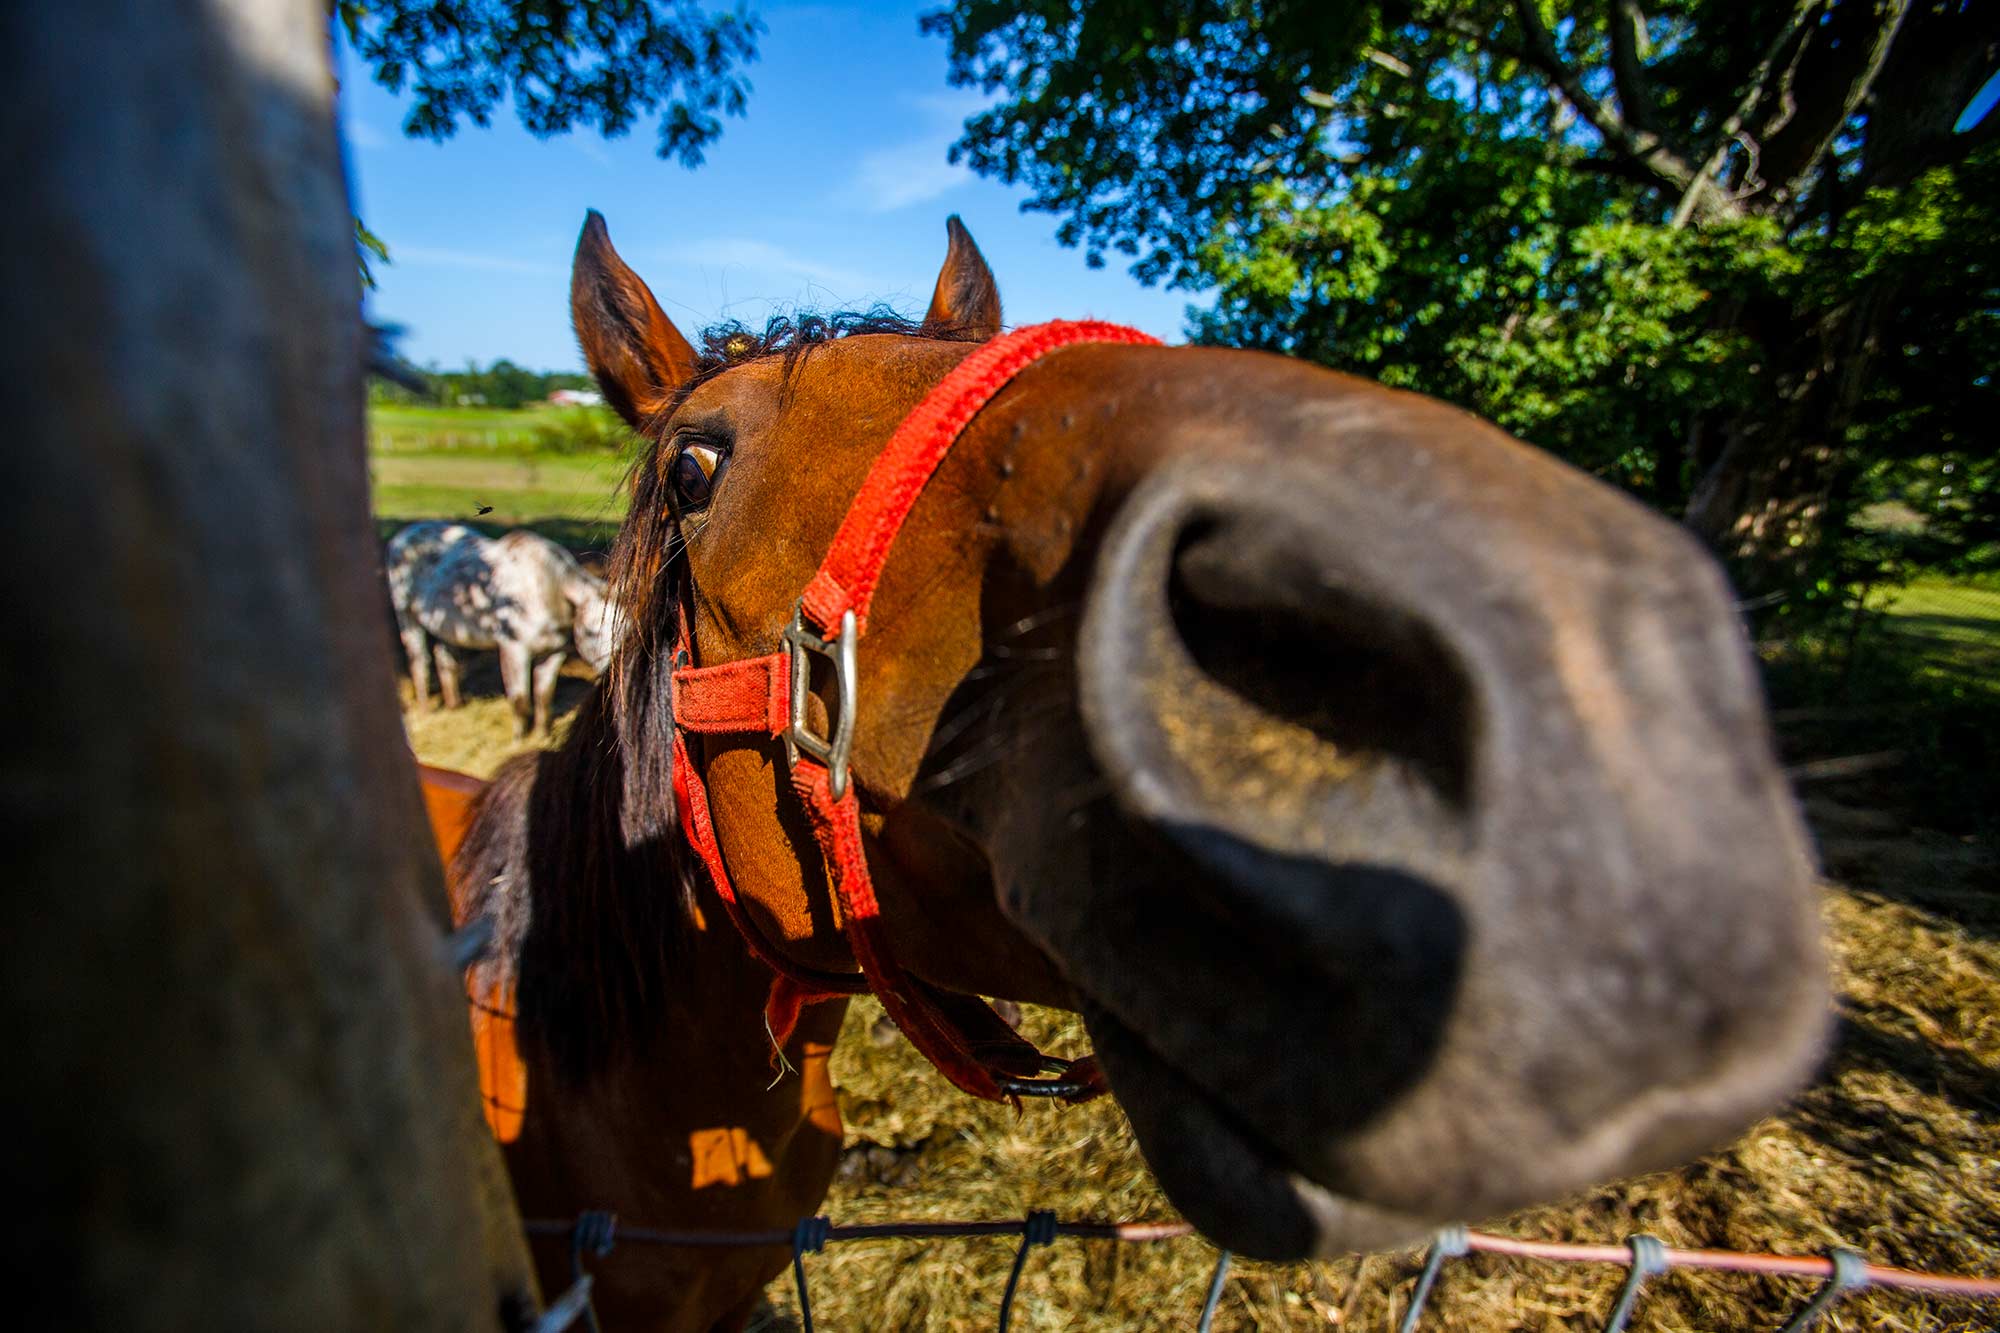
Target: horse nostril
x,y
1248,663
1262,623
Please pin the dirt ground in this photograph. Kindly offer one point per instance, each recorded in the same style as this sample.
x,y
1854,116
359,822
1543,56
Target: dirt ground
x,y
1895,1149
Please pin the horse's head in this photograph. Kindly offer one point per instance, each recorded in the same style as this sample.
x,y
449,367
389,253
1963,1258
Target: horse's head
x,y
594,621
1395,802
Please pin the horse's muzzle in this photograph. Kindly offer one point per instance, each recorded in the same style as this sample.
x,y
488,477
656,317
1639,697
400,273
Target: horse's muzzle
x,y
1456,846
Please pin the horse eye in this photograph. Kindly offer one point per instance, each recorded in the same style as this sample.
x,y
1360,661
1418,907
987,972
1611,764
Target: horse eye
x,y
694,475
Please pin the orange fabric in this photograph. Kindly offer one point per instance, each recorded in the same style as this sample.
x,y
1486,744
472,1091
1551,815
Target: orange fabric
x,y
449,799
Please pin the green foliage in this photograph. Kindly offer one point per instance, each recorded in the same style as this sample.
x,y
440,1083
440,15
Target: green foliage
x,y
1925,423
369,250
1524,294
581,430
1727,253
502,384
1147,124
562,63
1915,674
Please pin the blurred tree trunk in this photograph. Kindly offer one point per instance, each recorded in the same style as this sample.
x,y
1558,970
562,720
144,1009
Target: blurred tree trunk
x,y
1892,78
242,1088
1765,502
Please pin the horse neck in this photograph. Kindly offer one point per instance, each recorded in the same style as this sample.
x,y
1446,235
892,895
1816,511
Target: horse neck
x,y
650,1074
612,958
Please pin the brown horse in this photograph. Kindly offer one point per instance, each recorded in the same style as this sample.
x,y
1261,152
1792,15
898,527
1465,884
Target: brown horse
x,y
1394,802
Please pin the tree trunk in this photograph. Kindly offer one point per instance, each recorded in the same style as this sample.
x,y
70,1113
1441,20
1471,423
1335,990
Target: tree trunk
x,y
242,1090
1766,503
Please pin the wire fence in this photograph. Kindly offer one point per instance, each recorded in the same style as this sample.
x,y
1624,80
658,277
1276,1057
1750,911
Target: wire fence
x,y
1875,715
1840,1272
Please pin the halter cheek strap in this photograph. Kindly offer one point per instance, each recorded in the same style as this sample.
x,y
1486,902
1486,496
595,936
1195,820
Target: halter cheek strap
x,y
766,696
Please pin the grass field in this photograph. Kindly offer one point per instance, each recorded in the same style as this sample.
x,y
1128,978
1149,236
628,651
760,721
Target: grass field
x,y
1956,628
393,428
524,467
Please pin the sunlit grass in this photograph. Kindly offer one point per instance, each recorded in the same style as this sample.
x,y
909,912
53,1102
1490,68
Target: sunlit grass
x,y
1955,626
454,463
396,429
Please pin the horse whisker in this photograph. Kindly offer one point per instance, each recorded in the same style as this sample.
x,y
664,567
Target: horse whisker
x,y
950,730
991,751
1030,623
1012,680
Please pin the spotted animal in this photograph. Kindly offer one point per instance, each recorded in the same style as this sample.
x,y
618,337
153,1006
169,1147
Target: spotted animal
x,y
520,594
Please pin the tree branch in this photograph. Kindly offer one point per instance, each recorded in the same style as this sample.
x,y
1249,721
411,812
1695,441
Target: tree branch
x,y
1703,183
1938,62
1644,147
1628,38
1857,93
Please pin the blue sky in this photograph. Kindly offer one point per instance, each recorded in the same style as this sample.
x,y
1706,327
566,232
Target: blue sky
x,y
831,193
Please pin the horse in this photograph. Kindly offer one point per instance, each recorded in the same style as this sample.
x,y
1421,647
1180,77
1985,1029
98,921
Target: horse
x,y
1395,803
520,593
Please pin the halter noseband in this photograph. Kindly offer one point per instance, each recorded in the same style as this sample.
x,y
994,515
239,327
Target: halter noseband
x,y
973,1046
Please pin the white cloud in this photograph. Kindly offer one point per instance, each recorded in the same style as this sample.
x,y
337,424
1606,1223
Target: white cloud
x,y
953,105
909,173
917,169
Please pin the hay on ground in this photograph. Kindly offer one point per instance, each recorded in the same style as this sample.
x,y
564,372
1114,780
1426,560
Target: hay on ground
x,y
1895,1150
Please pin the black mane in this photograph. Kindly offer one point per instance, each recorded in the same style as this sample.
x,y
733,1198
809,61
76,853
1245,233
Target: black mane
x,y
730,344
733,343
589,916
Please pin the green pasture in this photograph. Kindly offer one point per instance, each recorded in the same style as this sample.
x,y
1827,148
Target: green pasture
x,y
559,470
1955,630
397,429
562,471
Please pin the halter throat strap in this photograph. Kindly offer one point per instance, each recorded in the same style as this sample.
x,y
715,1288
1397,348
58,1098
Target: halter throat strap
x,y
766,696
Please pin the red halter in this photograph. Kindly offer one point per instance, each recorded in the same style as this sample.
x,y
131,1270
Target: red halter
x,y
974,1047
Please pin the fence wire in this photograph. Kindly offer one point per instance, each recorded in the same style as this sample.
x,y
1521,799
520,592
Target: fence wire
x,y
1841,1271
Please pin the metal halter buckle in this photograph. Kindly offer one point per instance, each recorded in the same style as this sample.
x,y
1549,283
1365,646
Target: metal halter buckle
x,y
839,652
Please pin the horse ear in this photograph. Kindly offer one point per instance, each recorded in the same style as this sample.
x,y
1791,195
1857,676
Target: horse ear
x,y
634,350
966,298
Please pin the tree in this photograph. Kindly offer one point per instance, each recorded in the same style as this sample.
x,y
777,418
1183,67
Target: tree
x,y
601,63
243,1095
1731,253
563,63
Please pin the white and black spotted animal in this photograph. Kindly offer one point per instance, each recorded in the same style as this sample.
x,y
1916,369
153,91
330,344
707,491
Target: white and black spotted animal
x,y
519,593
